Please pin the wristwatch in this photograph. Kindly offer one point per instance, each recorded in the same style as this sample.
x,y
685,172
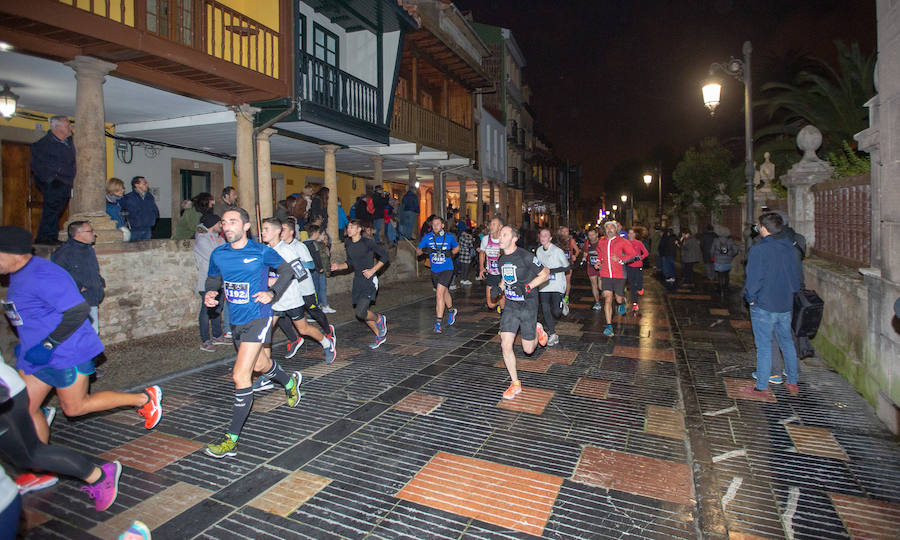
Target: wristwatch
x,y
48,344
527,288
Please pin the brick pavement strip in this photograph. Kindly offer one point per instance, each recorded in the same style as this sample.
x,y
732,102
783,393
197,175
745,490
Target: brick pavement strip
x,y
868,518
531,401
419,403
815,441
286,496
595,388
511,497
643,353
650,477
153,511
152,451
665,421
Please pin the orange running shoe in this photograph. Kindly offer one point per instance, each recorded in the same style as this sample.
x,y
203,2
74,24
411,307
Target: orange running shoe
x,y
152,410
541,335
28,482
514,390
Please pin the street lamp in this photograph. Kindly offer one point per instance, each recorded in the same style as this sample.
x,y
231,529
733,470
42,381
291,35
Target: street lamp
x,y
648,179
740,70
8,102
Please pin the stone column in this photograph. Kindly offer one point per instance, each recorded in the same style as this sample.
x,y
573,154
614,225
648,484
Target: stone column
x,y
463,198
246,191
331,184
377,170
491,201
411,182
438,200
479,203
800,178
264,173
89,187
504,202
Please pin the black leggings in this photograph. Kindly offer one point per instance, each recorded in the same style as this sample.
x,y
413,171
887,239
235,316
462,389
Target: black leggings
x,y
550,304
635,281
723,279
20,444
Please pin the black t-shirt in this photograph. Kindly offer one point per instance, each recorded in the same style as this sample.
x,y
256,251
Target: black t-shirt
x,y
361,256
519,267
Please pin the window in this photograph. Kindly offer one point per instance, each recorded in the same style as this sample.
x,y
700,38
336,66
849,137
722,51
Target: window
x,y
325,45
301,32
193,183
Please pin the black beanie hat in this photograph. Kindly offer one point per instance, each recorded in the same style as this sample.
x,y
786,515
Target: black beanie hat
x,y
15,240
209,220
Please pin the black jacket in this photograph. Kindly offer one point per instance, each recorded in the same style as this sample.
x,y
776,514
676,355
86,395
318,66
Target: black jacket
x,y
53,159
706,242
667,246
80,261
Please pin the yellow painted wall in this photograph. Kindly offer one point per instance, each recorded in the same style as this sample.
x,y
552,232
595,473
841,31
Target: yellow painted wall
x,y
99,8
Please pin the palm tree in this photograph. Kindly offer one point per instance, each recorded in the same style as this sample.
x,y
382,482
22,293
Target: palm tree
x,y
830,99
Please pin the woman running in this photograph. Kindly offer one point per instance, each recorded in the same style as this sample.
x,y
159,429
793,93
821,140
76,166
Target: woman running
x,y
592,256
634,271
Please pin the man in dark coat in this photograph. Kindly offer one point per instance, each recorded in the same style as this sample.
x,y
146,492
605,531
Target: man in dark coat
x,y
706,241
53,167
141,208
77,257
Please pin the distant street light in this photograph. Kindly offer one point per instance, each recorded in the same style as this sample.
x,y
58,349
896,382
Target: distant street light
x,y
648,179
615,207
740,70
624,198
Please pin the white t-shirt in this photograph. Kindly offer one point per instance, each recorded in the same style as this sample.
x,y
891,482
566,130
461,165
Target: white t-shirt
x,y
553,257
293,296
491,248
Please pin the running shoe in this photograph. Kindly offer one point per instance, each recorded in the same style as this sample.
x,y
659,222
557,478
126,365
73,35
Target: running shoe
x,y
499,310
566,299
138,530
514,390
292,347
105,491
331,333
608,332
635,309
552,340
221,340
437,327
453,287
49,414
377,343
328,309
565,309
773,379
223,449
28,482
207,346
262,383
640,292
330,352
451,316
228,335
597,306
541,335
622,308
381,325
293,394
152,410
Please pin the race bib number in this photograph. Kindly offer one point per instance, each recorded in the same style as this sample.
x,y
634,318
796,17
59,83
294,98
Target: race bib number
x,y
493,266
552,277
237,293
299,270
438,258
511,295
12,314
592,260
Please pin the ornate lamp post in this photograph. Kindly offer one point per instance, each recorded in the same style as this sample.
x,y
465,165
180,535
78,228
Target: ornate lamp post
x,y
740,70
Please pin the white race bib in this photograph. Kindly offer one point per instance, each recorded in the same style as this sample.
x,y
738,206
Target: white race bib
x,y
438,258
237,293
12,314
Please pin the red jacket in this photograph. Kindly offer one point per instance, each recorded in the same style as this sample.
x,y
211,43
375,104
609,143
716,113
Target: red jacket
x,y
619,247
641,251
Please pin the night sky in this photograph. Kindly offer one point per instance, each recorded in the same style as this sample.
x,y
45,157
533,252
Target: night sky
x,y
613,81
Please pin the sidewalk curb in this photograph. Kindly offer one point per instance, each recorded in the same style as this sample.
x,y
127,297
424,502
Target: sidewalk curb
x,y
231,358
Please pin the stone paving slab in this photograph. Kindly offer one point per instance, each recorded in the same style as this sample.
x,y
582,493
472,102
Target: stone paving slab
x,y
606,423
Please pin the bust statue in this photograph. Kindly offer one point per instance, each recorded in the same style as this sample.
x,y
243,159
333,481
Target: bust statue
x,y
767,169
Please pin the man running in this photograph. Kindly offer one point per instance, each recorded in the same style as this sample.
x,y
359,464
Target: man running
x,y
243,265
361,253
635,270
570,248
300,296
441,247
592,255
488,268
57,343
521,274
555,260
614,252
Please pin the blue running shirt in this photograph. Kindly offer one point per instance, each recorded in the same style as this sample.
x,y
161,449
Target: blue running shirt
x,y
244,272
441,248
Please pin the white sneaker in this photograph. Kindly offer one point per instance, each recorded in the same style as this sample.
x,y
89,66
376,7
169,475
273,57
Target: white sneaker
x,y
597,306
565,308
553,340
328,309
453,287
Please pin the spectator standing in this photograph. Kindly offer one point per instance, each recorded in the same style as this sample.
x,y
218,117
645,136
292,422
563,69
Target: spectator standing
x,y
342,220
706,241
207,238
301,206
53,167
187,224
724,250
115,190
322,258
667,248
466,255
772,279
228,202
409,212
690,255
78,258
379,201
318,207
141,209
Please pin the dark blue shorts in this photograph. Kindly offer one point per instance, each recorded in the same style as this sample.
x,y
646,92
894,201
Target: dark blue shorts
x,y
63,378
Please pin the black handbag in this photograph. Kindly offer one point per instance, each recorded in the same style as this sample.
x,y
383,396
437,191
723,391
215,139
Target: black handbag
x,y
807,315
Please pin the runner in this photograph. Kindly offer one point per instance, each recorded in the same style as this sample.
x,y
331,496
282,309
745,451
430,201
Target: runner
x,y
615,252
441,247
522,273
361,254
592,256
570,247
488,269
243,265
300,296
635,270
551,294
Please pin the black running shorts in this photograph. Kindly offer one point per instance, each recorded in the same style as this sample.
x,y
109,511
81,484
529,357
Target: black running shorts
x,y
520,315
255,331
442,278
616,285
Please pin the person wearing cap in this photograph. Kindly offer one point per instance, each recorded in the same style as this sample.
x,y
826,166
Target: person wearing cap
x,y
78,258
56,342
206,239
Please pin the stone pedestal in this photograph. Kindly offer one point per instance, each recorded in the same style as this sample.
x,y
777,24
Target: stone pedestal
x,y
246,191
264,173
377,170
412,179
89,189
800,178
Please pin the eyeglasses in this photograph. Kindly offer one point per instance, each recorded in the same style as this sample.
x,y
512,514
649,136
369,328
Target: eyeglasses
x,y
86,231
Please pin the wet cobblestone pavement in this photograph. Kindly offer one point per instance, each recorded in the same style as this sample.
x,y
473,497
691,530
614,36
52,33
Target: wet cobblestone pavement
x,y
635,436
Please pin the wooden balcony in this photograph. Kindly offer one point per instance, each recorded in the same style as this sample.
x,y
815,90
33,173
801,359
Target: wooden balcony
x,y
200,48
422,126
